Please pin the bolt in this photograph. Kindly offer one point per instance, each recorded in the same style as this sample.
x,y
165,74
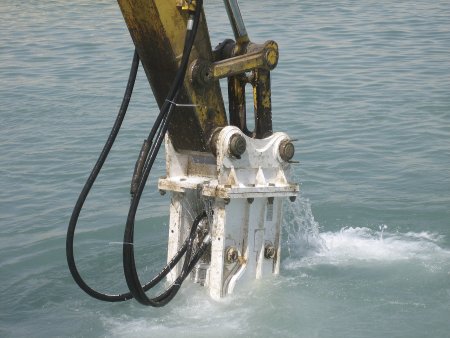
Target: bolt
x,y
200,72
271,57
286,150
207,74
269,251
237,145
231,254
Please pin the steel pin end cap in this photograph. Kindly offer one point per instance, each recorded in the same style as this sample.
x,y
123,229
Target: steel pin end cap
x,y
287,150
237,145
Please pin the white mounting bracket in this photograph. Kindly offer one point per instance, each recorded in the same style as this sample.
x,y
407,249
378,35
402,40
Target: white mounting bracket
x,y
243,198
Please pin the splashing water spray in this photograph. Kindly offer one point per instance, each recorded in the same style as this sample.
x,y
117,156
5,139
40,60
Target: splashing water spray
x,y
382,228
301,230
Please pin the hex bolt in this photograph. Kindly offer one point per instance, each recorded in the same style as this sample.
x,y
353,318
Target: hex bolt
x,y
287,150
237,145
269,251
231,255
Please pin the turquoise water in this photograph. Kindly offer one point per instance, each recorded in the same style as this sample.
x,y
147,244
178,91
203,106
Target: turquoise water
x,y
364,87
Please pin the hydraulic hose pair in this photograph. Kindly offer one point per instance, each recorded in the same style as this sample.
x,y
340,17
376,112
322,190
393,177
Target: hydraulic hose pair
x,y
143,167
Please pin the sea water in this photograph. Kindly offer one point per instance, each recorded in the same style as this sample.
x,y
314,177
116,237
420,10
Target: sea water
x,y
363,86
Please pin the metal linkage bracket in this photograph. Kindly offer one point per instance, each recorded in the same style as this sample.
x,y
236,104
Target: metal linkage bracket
x,y
243,195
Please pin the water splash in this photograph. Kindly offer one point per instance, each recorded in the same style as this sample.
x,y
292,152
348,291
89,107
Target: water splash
x,y
365,244
301,231
356,246
307,246
382,228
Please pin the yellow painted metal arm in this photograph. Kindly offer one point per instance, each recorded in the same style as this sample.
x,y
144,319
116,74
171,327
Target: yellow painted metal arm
x,y
158,29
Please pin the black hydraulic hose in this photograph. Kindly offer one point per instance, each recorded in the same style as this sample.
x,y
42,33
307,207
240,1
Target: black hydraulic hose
x,y
188,265
84,193
130,272
129,261
199,253
87,187
142,170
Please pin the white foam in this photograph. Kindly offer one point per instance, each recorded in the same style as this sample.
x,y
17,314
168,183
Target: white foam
x,y
301,229
362,244
308,246
190,316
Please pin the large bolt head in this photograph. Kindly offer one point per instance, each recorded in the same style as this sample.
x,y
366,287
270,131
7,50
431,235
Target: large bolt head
x,y
231,255
269,251
237,145
287,150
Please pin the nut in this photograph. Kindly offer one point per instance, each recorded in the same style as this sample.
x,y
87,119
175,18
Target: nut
x,y
231,255
269,251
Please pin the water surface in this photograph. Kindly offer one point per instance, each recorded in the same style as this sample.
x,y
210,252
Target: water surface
x,y
363,86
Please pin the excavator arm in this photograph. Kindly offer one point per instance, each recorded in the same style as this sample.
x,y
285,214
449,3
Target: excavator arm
x,y
227,183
